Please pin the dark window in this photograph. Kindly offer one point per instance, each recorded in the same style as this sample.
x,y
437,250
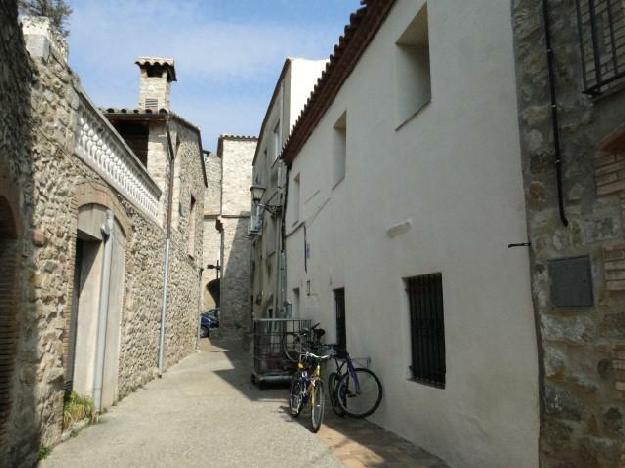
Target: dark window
x,y
602,39
425,296
339,307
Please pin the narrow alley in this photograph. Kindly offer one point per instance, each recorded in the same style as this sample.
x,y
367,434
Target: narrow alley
x,y
205,412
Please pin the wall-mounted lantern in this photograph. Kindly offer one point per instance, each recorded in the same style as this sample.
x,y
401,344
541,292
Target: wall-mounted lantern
x,y
257,192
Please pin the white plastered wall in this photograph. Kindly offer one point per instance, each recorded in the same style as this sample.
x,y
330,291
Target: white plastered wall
x,y
443,193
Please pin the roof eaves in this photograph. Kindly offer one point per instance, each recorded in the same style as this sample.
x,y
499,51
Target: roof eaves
x,y
362,28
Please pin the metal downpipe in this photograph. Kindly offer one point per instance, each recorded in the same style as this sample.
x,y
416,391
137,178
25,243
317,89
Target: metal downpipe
x,y
105,284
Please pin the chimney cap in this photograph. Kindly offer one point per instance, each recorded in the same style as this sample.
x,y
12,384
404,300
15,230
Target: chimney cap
x,y
166,63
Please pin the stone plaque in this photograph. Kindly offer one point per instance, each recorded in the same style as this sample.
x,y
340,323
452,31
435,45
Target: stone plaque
x,y
571,282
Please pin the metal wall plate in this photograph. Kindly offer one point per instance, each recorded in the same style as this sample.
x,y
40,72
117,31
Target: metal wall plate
x,y
571,282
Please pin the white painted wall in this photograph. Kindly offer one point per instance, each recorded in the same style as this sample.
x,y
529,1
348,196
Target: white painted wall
x,y
452,176
294,90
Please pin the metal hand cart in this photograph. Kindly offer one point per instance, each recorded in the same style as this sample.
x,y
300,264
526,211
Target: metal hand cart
x,y
269,361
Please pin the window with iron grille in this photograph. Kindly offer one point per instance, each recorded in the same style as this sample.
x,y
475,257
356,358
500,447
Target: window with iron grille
x,y
425,298
602,38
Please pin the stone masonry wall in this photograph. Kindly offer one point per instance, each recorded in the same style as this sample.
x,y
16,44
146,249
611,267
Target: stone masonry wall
x,y
212,237
581,349
236,162
185,261
237,155
28,398
41,96
235,280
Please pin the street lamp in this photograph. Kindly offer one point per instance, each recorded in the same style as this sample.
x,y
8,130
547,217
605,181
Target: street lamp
x,y
257,192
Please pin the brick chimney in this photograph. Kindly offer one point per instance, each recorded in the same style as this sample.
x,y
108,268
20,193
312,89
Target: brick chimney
x,y
156,75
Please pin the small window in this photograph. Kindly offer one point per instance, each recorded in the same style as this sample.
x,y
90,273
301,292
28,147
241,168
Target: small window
x,y
425,299
192,223
295,199
601,24
277,141
413,68
340,148
339,309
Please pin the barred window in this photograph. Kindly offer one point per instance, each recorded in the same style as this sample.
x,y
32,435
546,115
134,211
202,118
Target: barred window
x,y
602,40
425,297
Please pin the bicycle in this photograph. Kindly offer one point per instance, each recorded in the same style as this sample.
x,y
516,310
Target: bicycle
x,y
295,343
354,391
307,386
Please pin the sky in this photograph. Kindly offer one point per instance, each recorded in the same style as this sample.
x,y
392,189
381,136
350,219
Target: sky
x,y
228,53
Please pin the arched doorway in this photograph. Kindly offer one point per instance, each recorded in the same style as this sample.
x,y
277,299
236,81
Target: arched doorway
x,y
8,311
94,331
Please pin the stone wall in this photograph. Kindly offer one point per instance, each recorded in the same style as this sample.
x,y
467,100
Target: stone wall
x,y
235,280
38,161
581,348
236,154
212,237
186,244
27,406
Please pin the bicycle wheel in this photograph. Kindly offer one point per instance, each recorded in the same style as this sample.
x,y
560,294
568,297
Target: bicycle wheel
x,y
333,380
295,395
362,400
291,346
317,405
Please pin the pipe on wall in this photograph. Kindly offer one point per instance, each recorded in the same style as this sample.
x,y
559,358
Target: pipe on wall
x,y
170,186
554,114
103,312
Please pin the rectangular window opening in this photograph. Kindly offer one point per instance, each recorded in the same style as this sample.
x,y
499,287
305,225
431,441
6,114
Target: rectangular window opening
x,y
413,68
192,222
295,200
277,141
425,299
340,148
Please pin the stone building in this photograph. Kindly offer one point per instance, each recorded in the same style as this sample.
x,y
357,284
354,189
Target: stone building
x,y
84,235
268,267
226,226
571,103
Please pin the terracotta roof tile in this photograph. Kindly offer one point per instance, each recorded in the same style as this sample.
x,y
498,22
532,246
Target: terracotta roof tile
x,y
363,25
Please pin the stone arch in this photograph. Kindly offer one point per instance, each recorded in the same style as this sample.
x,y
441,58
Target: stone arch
x,y
10,237
90,193
87,193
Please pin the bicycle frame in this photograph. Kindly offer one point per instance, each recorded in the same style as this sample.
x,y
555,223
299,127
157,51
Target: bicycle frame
x,y
350,369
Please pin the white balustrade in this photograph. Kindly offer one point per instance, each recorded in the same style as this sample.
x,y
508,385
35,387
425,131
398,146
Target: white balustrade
x,y
106,153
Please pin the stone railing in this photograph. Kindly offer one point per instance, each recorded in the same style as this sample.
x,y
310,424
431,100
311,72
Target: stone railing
x,y
104,150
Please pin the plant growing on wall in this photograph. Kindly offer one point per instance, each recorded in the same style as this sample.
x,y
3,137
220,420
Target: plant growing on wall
x,y
77,408
57,10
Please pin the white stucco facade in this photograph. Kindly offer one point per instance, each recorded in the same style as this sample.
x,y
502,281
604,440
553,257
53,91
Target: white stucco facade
x,y
296,82
440,192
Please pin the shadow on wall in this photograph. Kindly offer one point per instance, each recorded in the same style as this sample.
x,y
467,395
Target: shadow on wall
x,y
23,411
235,280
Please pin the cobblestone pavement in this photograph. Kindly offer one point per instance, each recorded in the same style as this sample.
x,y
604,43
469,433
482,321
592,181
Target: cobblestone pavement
x,y
205,412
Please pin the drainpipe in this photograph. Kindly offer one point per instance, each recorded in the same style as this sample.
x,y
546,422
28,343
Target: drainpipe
x,y
105,284
557,152
199,311
170,186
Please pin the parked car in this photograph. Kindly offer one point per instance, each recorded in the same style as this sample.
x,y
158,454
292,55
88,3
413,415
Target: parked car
x,y
209,319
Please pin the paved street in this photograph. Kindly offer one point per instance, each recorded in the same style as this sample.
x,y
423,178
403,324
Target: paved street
x,y
205,412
